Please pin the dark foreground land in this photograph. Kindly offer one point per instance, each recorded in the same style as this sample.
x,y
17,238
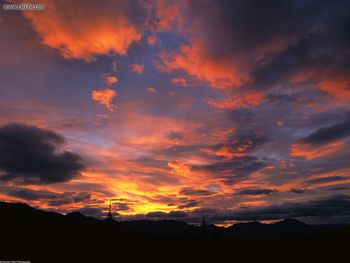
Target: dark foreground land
x,y
28,234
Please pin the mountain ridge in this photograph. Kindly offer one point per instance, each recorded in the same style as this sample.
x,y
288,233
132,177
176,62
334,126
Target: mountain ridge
x,y
30,233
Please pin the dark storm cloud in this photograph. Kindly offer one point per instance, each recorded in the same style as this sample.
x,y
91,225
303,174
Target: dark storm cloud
x,y
338,205
298,190
31,155
121,206
240,143
52,198
158,214
243,143
335,209
328,134
322,51
28,194
339,188
325,180
189,204
257,191
306,169
195,192
234,170
177,214
241,26
239,167
70,197
279,69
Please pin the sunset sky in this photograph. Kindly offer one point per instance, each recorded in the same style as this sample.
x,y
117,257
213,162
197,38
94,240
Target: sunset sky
x,y
232,110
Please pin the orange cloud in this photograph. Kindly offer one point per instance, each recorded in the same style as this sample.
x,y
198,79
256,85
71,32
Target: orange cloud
x,y
218,72
180,168
247,99
152,40
223,134
337,86
151,90
327,179
225,152
144,133
279,123
137,68
104,97
179,81
310,152
84,31
110,80
327,79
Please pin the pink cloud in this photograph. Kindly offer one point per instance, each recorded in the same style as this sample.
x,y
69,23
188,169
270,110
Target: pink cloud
x,y
104,97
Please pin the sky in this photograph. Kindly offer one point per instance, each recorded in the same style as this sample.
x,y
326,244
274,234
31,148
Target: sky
x,y
229,110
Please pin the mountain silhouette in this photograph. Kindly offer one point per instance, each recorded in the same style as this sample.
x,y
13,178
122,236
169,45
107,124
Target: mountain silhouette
x,y
29,233
282,230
